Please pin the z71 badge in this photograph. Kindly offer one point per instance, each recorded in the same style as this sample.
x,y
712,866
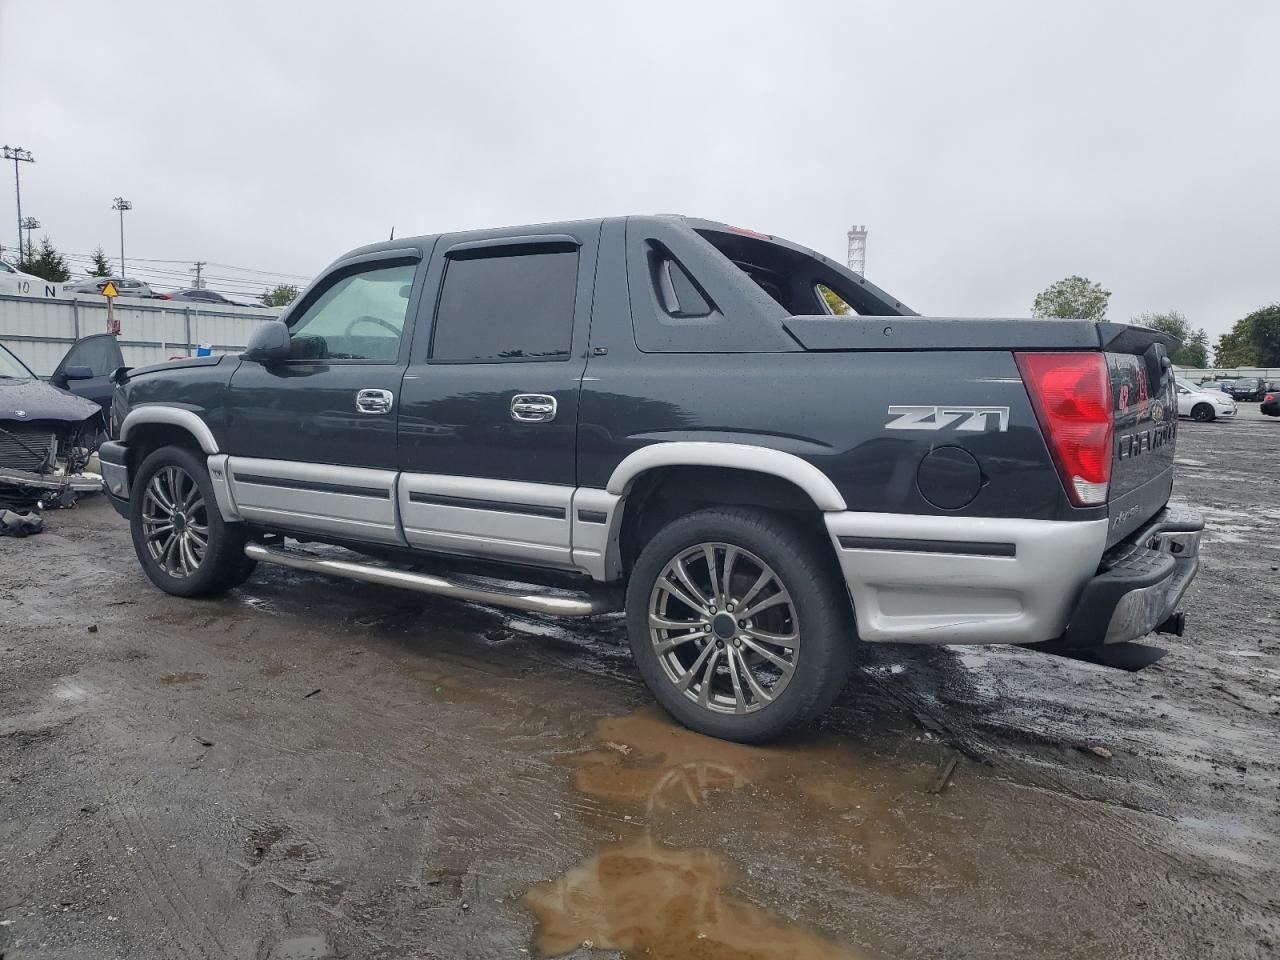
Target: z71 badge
x,y
966,419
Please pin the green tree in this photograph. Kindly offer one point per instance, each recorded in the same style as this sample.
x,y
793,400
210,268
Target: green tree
x,y
1196,352
1264,331
48,264
101,265
1074,297
1193,347
1254,340
281,295
1236,349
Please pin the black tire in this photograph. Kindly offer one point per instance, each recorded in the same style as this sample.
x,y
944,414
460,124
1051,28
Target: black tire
x,y
1202,413
817,612
222,565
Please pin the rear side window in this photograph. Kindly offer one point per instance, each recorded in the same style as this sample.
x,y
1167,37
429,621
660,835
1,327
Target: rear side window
x,y
834,302
509,306
679,293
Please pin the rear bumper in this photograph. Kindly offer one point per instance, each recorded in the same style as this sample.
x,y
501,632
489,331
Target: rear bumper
x,y
939,579
957,580
1139,583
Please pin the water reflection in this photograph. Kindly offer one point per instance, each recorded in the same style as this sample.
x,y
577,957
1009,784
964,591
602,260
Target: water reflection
x,y
647,899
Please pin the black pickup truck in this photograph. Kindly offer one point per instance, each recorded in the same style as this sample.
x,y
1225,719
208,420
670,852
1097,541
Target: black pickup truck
x,y
772,458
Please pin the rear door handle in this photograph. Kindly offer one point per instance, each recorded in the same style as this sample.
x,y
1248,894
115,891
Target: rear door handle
x,y
533,408
374,401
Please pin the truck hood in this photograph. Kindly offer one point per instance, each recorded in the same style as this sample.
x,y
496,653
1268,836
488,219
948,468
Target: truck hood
x,y
26,400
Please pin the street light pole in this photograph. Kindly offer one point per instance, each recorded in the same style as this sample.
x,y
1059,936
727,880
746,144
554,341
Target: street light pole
x,y
121,204
18,155
29,224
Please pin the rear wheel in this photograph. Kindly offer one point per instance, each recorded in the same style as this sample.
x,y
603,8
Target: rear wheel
x,y
739,623
1202,412
181,540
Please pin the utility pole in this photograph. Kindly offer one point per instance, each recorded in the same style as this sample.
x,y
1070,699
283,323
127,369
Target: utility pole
x,y
18,155
858,250
199,266
121,204
29,224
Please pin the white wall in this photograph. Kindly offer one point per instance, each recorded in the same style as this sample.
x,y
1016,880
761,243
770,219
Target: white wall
x,y
40,329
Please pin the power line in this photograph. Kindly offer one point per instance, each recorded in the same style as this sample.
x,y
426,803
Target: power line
x,y
224,266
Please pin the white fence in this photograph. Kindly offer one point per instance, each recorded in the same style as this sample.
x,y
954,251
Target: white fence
x,y
40,329
1227,373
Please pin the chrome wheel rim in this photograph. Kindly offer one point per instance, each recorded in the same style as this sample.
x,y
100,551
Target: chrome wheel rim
x,y
175,522
724,628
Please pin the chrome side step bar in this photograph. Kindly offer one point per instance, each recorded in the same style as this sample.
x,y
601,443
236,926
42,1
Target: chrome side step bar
x,y
559,604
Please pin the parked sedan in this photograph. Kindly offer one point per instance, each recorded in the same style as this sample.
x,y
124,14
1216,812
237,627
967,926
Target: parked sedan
x,y
125,286
46,437
1271,403
206,296
1201,404
1248,388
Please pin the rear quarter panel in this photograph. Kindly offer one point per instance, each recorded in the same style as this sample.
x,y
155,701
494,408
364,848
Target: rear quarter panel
x,y
831,409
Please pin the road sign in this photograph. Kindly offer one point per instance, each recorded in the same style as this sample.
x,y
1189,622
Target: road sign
x,y
110,290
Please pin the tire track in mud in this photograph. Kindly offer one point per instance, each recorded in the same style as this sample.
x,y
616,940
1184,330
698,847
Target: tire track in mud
x,y
183,920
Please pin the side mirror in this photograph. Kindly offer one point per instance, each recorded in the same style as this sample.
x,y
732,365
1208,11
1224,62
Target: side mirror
x,y
270,341
77,373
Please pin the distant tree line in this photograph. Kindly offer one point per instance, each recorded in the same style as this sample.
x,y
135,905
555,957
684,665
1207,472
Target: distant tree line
x,y
1254,341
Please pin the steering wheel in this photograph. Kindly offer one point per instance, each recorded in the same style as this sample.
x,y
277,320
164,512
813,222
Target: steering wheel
x,y
368,319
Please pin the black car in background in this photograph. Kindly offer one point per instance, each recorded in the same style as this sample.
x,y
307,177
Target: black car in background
x,y
1248,388
1271,401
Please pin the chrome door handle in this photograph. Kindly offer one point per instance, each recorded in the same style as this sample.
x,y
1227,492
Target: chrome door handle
x,y
533,408
374,401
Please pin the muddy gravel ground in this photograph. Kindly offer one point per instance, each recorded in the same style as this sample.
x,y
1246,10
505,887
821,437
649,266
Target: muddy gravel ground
x,y
314,768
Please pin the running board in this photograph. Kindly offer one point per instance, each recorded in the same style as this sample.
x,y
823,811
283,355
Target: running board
x,y
551,602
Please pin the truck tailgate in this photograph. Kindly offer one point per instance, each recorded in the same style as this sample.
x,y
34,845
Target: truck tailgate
x,y
1145,413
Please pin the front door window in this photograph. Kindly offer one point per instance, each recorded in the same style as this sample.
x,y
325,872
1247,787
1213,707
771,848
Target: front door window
x,y
360,316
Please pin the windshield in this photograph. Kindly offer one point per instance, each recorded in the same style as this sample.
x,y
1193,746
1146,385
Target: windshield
x,y
13,368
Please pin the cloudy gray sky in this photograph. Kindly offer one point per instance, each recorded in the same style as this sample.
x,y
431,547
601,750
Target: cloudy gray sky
x,y
991,147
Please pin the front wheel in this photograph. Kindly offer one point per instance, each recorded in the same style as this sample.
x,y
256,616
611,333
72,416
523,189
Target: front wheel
x,y
181,540
739,623
1202,413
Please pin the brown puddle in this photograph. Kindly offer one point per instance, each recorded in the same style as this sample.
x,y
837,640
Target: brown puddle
x,y
799,820
646,899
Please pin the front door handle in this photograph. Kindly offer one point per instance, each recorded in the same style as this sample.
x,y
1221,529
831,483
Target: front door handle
x,y
374,401
533,408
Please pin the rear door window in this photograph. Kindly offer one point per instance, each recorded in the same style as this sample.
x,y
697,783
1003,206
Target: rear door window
x,y
511,304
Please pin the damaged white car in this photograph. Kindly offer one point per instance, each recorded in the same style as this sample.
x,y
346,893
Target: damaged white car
x,y
46,439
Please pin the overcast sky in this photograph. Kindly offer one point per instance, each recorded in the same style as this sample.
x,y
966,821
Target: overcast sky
x,y
991,148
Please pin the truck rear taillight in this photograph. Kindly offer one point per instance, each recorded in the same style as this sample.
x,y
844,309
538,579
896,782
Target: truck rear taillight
x,y
1071,394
